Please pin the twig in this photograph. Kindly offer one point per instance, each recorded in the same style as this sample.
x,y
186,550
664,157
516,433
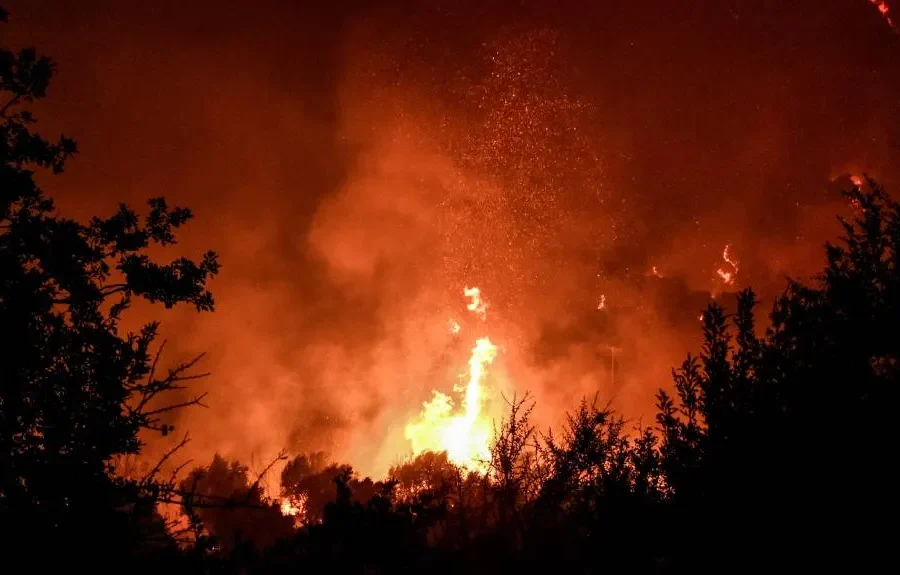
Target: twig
x,y
12,101
196,401
282,455
159,351
184,441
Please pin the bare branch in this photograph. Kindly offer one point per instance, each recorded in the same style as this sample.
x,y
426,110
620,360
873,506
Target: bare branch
x,y
222,503
178,469
159,351
282,455
11,102
152,473
198,400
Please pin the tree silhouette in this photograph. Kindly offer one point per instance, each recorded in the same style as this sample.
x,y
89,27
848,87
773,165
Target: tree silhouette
x,y
77,390
222,501
787,431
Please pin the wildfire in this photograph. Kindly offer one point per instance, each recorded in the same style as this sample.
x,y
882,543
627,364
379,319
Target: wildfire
x,y
727,276
464,435
477,305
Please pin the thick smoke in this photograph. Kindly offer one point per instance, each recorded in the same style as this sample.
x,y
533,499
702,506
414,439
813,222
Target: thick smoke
x,y
358,166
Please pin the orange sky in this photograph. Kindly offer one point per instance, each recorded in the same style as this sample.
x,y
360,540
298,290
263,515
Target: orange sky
x,y
356,166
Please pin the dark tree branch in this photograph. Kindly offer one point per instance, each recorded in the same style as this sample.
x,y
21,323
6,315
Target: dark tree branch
x,y
282,455
149,477
198,400
11,102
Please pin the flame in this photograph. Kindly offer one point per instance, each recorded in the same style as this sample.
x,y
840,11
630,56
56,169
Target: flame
x,y
857,181
884,9
602,304
728,277
477,305
464,435
294,507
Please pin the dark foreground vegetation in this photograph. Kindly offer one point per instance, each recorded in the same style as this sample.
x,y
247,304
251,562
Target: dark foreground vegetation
x,y
774,450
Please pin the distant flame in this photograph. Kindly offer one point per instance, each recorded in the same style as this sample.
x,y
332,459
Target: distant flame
x,y
477,305
294,507
857,181
885,11
727,276
602,304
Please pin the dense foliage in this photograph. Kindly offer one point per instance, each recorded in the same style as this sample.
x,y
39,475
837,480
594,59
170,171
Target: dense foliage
x,y
771,450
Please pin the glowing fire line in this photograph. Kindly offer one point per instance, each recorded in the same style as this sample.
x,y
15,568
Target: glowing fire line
x,y
728,277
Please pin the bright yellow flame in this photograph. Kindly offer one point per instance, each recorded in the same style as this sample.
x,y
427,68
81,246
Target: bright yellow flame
x,y
464,436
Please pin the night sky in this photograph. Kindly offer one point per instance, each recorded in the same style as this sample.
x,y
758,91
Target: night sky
x,y
356,166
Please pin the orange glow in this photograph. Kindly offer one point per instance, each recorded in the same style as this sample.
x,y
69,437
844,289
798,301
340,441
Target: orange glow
x,y
465,435
397,160
857,181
